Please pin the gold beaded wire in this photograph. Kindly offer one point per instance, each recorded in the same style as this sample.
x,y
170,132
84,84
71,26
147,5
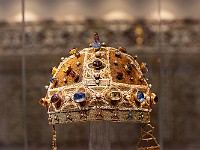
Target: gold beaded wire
x,y
54,145
150,133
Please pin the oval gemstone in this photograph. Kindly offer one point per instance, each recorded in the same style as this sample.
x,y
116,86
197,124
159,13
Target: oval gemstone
x,y
119,75
129,66
117,53
58,104
97,63
72,74
77,54
96,45
55,98
115,95
156,99
79,97
140,96
52,80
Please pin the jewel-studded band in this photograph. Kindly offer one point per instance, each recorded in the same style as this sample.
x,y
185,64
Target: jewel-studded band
x,y
99,114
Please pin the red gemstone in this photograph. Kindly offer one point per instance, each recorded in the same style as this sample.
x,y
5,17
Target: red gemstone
x,y
119,75
97,63
55,98
77,54
72,74
58,104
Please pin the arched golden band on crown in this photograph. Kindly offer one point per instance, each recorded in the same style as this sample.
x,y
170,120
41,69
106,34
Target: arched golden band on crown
x,y
99,83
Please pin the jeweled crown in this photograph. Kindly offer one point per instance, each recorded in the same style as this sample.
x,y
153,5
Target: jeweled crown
x,y
99,83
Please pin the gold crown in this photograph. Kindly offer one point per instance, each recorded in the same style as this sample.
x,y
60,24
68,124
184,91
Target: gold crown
x,y
99,83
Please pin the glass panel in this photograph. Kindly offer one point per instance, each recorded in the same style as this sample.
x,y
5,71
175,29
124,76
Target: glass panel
x,y
11,108
170,47
180,28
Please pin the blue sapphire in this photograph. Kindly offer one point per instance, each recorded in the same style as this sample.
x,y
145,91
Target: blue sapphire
x,y
79,97
129,66
117,53
96,45
52,79
140,96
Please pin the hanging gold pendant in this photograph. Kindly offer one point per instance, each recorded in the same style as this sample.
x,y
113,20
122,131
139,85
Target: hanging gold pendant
x,y
54,145
147,140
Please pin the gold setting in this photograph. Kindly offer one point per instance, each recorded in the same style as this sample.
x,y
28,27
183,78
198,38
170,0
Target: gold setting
x,y
54,69
143,67
73,51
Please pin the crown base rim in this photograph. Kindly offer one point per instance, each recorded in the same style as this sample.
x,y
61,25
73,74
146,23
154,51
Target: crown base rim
x,y
136,116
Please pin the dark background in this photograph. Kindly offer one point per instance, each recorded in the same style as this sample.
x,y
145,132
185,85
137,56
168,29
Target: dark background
x,y
163,33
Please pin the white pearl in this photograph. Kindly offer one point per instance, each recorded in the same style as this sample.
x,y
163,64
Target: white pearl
x,y
62,58
97,81
127,97
78,63
67,98
98,95
98,54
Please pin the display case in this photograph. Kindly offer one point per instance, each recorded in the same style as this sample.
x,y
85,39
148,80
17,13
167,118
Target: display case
x,y
34,35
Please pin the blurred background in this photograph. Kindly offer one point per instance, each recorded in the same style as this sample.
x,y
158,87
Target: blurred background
x,y
164,33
